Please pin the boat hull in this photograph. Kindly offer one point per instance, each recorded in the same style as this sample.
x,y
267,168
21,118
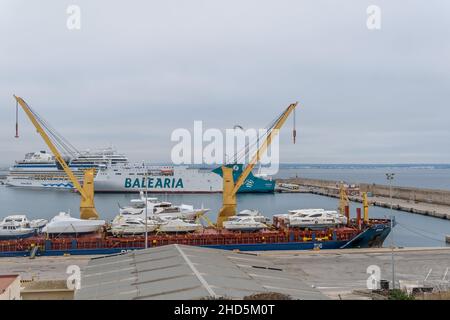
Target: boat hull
x,y
174,229
10,236
77,228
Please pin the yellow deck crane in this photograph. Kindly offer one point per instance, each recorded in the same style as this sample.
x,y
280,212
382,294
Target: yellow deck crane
x,y
343,198
365,202
230,187
87,207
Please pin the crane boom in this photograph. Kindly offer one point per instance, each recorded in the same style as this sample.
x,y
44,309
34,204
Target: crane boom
x,y
264,146
230,188
87,208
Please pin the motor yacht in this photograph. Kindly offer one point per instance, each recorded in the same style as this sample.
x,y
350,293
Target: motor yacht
x,y
14,230
155,206
243,223
23,221
123,225
255,214
315,219
173,224
63,223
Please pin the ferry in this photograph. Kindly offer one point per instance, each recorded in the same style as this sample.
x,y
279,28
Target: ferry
x,y
114,173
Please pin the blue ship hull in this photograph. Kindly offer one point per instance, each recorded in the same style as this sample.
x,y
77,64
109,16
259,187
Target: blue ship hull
x,y
252,184
372,237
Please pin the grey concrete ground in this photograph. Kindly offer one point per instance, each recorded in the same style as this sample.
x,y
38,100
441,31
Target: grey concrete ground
x,y
336,273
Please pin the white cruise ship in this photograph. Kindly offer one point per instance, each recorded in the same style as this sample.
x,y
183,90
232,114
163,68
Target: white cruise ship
x,y
115,174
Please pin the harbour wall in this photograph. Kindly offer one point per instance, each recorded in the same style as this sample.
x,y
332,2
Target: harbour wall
x,y
434,196
411,194
430,202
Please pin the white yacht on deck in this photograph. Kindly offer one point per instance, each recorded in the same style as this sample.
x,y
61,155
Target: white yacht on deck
x,y
23,221
173,224
123,225
243,223
313,218
14,230
63,223
161,208
255,214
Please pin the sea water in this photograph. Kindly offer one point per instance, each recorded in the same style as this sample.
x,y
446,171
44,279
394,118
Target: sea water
x,y
412,230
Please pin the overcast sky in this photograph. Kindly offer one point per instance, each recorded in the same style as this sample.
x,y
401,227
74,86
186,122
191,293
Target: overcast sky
x,y
137,70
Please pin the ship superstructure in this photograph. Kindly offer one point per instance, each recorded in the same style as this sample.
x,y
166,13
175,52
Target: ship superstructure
x,y
114,173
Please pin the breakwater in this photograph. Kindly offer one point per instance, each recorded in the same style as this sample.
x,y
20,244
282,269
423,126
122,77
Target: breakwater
x,y
431,202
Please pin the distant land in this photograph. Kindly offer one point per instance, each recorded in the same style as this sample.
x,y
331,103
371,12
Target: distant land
x,y
327,166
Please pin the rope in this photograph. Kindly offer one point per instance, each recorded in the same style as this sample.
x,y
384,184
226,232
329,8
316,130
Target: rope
x,y
294,130
245,151
17,119
418,233
63,144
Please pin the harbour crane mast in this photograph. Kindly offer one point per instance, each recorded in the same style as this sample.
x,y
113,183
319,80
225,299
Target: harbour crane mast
x,y
344,201
87,207
230,187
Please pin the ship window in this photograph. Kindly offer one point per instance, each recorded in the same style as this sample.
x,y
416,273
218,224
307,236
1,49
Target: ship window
x,y
316,215
118,174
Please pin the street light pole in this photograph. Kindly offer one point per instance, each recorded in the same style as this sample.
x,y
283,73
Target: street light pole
x,y
390,177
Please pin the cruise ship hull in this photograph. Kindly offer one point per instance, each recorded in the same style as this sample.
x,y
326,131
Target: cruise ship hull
x,y
134,179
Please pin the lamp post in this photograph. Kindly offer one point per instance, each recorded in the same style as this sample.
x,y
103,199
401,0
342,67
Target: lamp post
x,y
390,177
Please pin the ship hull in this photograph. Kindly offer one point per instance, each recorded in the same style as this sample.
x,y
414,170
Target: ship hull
x,y
133,179
373,236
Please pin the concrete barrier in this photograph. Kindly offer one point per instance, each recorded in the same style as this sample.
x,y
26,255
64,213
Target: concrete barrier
x,y
434,196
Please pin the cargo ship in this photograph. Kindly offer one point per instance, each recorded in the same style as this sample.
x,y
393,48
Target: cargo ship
x,y
353,235
114,173
356,233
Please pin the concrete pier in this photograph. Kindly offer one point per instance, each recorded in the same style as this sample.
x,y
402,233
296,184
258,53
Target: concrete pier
x,y
429,202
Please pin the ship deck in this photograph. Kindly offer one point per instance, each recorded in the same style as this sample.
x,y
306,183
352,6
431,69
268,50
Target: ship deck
x,y
103,242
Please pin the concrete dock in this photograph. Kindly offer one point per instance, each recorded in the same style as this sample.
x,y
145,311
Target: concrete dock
x,y
343,274
338,274
429,202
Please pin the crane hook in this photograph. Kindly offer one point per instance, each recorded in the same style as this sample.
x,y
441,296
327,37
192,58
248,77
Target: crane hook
x,y
294,131
17,120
